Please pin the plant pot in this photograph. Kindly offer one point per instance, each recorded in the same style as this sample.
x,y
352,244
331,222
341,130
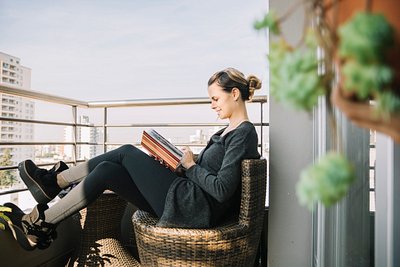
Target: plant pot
x,y
345,9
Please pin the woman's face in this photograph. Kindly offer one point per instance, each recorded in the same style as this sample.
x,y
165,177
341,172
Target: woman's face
x,y
222,102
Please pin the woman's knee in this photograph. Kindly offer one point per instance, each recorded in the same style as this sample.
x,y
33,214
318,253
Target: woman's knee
x,y
128,148
108,169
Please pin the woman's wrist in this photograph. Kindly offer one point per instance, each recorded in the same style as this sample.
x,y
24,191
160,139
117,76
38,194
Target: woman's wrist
x,y
188,166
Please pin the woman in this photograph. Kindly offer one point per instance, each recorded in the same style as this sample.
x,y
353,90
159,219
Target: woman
x,y
207,195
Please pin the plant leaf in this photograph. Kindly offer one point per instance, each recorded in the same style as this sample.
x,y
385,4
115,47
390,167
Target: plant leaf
x,y
270,21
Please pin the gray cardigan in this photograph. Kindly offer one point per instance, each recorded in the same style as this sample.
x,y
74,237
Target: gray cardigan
x,y
211,191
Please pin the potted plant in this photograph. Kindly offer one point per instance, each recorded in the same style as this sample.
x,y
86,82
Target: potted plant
x,y
359,45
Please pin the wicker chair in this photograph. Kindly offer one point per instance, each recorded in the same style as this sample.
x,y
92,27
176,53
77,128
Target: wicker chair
x,y
234,244
101,228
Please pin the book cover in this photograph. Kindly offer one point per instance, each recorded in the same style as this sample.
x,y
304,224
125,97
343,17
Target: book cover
x,y
161,148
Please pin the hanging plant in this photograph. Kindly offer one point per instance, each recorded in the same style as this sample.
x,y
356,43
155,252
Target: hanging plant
x,y
364,41
299,77
292,69
294,80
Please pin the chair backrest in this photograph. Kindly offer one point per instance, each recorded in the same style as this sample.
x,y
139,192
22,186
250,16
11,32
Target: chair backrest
x,y
254,184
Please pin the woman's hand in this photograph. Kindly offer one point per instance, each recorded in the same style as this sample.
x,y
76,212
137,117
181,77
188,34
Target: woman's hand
x,y
187,160
363,115
160,161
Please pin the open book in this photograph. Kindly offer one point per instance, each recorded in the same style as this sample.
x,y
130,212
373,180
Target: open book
x,y
161,149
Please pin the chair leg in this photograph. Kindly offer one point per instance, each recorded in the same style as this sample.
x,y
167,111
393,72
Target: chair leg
x,y
262,252
258,256
264,240
261,258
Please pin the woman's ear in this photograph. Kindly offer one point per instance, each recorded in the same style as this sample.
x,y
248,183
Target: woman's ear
x,y
236,93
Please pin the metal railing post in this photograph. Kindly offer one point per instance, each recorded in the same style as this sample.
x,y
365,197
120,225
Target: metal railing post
x,y
262,127
105,121
75,134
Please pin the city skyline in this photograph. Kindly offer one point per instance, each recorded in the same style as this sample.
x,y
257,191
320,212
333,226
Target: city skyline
x,y
136,49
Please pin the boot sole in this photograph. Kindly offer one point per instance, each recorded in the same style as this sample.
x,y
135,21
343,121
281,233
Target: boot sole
x,y
37,192
20,236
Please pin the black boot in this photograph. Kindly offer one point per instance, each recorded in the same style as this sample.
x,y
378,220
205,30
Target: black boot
x,y
30,230
41,183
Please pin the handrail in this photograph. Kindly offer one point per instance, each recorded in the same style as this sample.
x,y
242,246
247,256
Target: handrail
x,y
113,103
41,96
148,125
160,102
45,122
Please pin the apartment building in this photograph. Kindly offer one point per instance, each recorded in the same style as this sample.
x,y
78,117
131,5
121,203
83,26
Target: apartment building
x,y
83,134
12,73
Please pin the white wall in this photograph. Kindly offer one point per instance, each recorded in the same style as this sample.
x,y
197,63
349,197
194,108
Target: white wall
x,y
291,149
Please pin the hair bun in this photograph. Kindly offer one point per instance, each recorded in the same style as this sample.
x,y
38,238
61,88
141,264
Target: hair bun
x,y
254,84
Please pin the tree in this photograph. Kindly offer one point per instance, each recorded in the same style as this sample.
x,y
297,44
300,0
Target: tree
x,y
7,177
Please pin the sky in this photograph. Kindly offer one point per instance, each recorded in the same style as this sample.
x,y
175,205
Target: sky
x,y
113,50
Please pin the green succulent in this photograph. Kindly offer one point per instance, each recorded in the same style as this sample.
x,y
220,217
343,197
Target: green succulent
x,y
327,181
366,80
365,37
295,81
364,41
386,103
294,78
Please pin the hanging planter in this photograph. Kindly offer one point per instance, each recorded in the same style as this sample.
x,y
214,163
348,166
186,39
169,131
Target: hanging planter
x,y
362,42
366,42
344,10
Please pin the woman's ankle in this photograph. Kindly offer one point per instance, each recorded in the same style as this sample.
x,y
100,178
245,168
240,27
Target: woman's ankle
x,y
61,182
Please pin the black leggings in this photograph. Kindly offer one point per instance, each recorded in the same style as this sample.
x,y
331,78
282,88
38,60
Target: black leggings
x,y
127,171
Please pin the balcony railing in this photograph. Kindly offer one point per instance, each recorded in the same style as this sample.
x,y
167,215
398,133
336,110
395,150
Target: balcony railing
x,y
106,123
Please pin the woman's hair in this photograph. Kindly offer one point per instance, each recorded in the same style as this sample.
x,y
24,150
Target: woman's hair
x,y
232,78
